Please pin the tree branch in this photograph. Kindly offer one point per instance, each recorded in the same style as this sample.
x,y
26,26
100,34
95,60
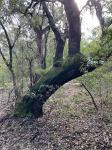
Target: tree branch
x,y
9,43
6,34
85,5
60,41
51,21
3,57
94,103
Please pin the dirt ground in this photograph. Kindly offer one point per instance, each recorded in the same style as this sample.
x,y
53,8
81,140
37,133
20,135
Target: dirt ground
x,y
70,122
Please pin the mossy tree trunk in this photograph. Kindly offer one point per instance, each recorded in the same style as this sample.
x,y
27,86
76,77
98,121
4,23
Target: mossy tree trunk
x,y
32,103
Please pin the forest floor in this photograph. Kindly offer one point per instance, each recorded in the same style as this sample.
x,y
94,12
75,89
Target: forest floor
x,y
70,122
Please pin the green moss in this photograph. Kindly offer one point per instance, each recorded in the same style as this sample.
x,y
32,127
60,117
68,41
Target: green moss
x,y
23,108
46,78
65,66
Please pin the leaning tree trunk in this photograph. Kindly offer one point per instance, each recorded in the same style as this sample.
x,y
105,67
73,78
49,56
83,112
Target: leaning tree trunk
x,y
32,103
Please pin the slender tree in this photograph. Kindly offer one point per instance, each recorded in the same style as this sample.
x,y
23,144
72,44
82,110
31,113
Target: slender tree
x,y
9,63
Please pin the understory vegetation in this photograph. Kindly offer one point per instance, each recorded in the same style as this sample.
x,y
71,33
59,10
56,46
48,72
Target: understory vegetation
x,y
70,120
55,75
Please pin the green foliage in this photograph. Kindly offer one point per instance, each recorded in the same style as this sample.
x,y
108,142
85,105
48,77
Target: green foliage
x,y
90,49
23,109
1,3
96,46
99,81
14,5
4,75
36,20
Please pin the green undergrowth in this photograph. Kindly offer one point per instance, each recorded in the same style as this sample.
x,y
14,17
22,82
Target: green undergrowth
x,y
98,82
51,81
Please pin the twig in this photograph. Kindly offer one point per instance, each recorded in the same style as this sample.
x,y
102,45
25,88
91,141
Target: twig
x,y
95,105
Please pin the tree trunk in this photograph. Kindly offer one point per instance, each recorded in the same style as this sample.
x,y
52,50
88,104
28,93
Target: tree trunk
x,y
73,17
31,72
45,39
60,41
39,42
16,91
32,104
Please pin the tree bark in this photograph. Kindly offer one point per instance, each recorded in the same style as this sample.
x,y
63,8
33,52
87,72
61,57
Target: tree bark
x,y
39,42
60,41
73,17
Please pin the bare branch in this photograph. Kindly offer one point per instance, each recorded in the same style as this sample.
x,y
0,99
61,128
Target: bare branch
x,y
3,57
51,21
30,5
6,34
94,103
9,44
85,6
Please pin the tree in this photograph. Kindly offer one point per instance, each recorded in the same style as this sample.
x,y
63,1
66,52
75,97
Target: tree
x,y
32,104
9,63
62,70
99,7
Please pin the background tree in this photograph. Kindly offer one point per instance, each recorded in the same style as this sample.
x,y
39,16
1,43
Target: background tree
x,y
9,63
